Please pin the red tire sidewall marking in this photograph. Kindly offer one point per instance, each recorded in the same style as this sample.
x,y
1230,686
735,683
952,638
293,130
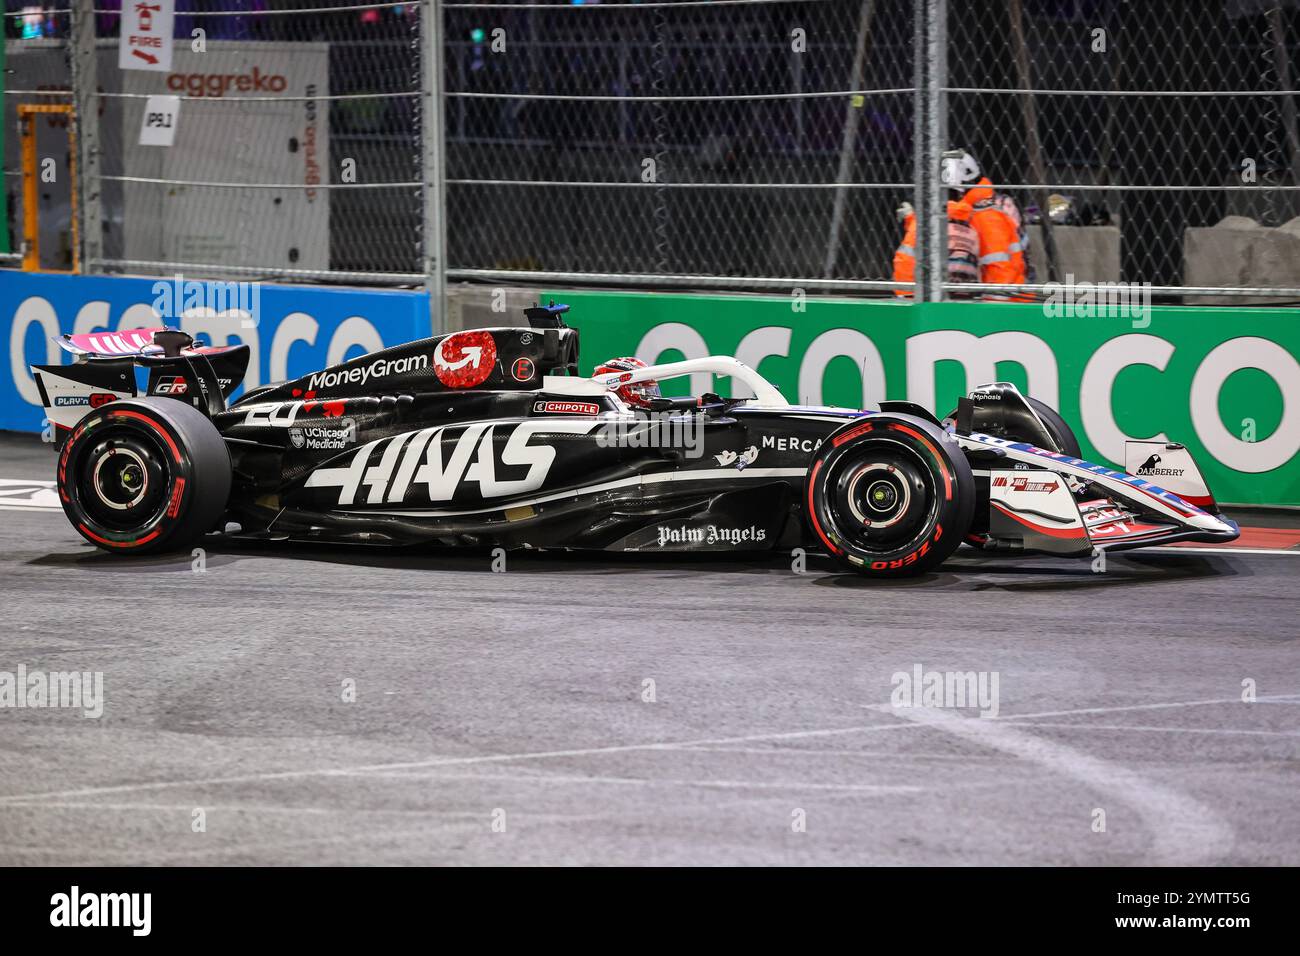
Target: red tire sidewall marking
x,y
174,497
166,436
931,538
852,433
934,453
812,509
118,544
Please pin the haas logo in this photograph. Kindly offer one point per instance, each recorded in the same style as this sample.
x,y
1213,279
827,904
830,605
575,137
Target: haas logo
x,y
440,462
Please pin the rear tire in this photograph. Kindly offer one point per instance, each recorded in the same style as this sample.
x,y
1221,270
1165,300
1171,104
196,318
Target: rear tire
x,y
140,476
889,495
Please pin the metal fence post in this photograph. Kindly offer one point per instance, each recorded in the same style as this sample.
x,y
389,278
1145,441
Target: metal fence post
x,y
85,84
848,140
433,174
1033,144
928,143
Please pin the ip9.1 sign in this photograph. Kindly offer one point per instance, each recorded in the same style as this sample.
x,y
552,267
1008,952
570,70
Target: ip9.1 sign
x,y
161,116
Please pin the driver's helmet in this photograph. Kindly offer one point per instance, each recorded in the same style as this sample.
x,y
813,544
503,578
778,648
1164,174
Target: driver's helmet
x,y
958,169
638,394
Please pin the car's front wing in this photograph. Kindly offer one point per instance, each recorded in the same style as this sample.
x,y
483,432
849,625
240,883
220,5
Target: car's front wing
x,y
1031,503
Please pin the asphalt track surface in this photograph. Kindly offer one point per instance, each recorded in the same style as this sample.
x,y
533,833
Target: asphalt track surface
x,y
516,698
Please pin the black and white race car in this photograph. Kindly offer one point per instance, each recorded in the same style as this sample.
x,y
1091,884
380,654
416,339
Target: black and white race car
x,y
491,438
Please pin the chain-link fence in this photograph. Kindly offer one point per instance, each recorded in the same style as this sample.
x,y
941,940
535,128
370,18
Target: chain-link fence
x,y
298,146
681,141
1161,136
687,143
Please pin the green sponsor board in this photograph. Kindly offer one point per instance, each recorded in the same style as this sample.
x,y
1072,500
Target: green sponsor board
x,y
1225,382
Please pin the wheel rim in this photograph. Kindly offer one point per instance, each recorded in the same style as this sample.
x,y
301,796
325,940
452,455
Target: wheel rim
x,y
882,496
125,478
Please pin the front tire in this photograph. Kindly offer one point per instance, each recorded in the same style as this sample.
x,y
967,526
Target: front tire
x,y
1067,443
889,496
1062,433
140,476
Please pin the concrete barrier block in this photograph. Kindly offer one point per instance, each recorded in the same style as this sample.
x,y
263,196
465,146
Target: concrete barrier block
x,y
1239,252
1089,253
485,306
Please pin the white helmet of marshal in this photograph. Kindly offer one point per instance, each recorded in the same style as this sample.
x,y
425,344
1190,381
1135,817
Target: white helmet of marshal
x,y
958,169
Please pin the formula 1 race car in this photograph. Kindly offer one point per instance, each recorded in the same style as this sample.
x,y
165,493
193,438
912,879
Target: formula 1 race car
x,y
491,438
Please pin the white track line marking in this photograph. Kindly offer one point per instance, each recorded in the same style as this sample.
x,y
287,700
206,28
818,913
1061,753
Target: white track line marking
x,y
1185,831
890,708
188,808
1113,710
810,752
1167,730
655,782
19,798
28,494
435,762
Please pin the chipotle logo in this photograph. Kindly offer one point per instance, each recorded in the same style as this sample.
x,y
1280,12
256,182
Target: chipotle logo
x,y
217,84
566,408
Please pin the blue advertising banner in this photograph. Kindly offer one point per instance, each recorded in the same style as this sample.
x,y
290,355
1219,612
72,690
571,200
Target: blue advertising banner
x,y
291,330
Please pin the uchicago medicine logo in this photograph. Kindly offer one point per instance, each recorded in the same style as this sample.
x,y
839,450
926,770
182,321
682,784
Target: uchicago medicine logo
x,y
330,435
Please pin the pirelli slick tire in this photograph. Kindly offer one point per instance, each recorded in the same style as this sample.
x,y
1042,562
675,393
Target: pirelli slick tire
x,y
140,476
889,495
1061,433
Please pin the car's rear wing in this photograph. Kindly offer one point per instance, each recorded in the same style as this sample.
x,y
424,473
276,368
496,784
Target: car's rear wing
x,y
105,370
